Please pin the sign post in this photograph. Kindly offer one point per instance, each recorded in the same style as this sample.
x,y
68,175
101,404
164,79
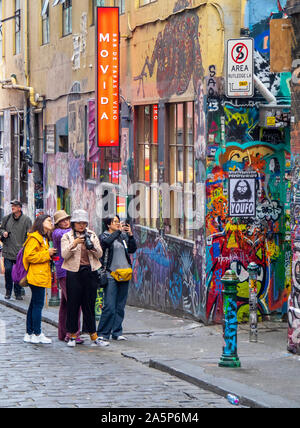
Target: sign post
x,y
240,68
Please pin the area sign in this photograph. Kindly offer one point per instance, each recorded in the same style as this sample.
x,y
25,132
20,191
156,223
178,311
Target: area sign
x,y
240,68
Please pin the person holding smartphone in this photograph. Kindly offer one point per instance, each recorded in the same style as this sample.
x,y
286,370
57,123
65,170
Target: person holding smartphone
x,y
36,260
117,243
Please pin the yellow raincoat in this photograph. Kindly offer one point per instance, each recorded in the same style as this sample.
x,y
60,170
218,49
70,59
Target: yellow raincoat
x,y
36,260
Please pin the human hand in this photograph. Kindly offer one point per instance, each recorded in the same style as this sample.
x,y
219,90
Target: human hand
x,y
78,241
52,251
126,228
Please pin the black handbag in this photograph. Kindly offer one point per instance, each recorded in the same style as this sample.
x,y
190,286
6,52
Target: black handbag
x,y
102,273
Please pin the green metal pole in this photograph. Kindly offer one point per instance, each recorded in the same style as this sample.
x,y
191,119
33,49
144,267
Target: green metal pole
x,y
230,357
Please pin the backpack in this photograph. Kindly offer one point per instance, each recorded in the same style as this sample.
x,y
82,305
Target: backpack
x,y
19,273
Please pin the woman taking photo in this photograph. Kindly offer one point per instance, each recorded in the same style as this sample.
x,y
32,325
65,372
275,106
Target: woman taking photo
x,y
81,251
117,243
36,260
63,225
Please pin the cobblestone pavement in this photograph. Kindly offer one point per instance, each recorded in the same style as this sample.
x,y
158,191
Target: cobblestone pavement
x,y
57,376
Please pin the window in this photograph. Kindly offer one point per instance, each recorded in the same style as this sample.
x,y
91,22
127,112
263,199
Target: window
x,y
144,2
121,5
63,143
38,138
45,22
19,175
94,4
181,168
147,146
67,17
17,27
63,199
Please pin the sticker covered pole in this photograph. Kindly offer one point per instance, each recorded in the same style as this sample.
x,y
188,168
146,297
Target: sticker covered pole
x,y
230,357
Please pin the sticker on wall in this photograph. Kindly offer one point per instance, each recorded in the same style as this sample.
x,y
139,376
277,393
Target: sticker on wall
x,y
242,194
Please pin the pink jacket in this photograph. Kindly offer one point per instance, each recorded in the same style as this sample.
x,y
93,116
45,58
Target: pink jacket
x,y
72,256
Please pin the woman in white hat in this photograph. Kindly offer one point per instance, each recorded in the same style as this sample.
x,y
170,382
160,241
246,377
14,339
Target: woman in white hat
x,y
63,225
81,252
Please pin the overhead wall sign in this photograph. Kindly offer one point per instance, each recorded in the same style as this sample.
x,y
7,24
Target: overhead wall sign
x,y
242,194
240,68
108,80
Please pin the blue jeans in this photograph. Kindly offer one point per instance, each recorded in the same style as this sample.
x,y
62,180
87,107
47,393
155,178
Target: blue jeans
x,y
115,297
34,313
9,284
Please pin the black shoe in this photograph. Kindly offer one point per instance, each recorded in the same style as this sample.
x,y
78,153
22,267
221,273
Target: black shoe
x,y
7,296
19,297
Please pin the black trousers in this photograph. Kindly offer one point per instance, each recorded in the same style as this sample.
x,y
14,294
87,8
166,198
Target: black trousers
x,y
81,291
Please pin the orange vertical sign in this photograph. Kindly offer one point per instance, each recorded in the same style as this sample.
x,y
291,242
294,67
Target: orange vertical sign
x,y
108,80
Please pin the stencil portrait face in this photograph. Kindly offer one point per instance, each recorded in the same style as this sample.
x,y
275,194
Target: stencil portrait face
x,y
242,187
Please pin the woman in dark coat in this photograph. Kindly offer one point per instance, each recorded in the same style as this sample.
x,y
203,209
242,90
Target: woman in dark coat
x,y
117,243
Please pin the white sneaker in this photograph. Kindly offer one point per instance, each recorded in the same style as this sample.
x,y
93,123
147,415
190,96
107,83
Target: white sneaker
x,y
27,338
100,342
40,339
71,343
120,338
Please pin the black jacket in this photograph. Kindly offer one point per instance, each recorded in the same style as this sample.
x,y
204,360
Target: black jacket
x,y
17,234
107,239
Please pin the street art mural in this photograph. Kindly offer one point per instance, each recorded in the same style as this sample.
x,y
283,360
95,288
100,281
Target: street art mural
x,y
228,138
177,53
235,242
238,142
293,342
168,274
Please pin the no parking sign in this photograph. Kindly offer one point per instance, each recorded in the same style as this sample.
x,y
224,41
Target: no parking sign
x,y
240,68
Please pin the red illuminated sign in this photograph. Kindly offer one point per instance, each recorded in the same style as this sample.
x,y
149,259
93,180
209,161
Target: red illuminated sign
x,y
108,80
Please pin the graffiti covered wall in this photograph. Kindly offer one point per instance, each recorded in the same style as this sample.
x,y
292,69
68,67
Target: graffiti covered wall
x,y
68,170
176,58
171,56
294,301
239,143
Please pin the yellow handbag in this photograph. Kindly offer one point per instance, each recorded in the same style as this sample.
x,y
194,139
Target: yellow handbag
x,y
122,275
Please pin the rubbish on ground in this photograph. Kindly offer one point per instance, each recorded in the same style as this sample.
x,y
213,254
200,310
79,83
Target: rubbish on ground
x,y
233,399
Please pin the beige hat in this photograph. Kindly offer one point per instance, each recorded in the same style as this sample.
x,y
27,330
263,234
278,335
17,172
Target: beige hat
x,y
60,215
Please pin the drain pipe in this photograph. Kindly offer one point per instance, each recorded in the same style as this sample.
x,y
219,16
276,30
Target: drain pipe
x,y
264,91
12,84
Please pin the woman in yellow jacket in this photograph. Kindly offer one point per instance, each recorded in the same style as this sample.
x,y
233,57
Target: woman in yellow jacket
x,y
36,260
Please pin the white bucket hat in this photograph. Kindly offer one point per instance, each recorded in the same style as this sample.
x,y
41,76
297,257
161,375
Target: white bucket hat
x,y
79,215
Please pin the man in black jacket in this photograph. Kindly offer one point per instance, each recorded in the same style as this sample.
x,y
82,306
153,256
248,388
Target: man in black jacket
x,y
13,234
117,243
